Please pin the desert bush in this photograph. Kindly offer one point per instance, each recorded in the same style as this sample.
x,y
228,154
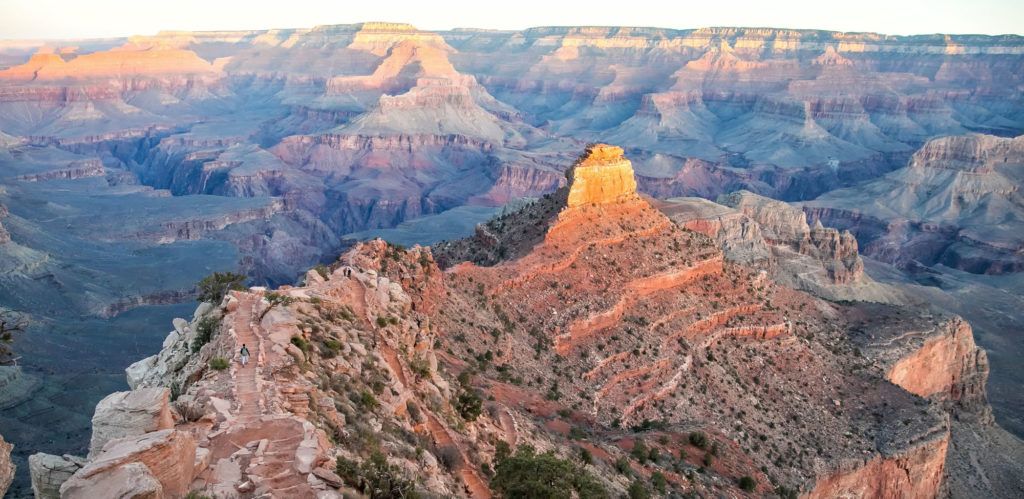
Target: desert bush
x,y
747,483
469,405
215,286
205,329
659,482
639,451
637,490
279,299
420,367
376,478
300,342
698,439
366,400
527,474
219,363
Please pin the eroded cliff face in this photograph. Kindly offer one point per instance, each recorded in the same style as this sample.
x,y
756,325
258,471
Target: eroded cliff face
x,y
602,176
787,225
947,366
774,236
914,473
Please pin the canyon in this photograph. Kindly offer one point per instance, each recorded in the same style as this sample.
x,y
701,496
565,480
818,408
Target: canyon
x,y
867,170
685,351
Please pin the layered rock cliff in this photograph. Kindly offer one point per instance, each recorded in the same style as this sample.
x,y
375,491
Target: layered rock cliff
x,y
957,203
776,237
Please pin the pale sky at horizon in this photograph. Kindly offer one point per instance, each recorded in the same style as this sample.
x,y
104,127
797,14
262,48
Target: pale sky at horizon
x,y
54,19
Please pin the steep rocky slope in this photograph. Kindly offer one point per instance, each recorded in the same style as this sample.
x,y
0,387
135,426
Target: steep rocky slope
x,y
590,321
775,236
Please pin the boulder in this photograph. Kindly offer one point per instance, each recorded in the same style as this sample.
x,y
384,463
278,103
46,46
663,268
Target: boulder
x,y
6,466
168,455
329,477
49,472
127,481
138,371
128,414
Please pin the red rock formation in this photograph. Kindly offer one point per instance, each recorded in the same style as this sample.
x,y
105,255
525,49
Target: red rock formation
x,y
602,176
125,62
914,474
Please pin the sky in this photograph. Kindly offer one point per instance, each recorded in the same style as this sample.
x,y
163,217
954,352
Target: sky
x,y
36,19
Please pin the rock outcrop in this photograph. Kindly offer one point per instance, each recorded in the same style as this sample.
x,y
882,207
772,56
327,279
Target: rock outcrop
x,y
7,467
947,365
601,176
157,464
49,472
787,225
773,236
130,414
917,473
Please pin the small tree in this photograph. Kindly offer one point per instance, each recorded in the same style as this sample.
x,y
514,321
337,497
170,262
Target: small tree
x,y
215,286
747,483
659,482
528,474
637,490
11,323
469,405
699,439
640,452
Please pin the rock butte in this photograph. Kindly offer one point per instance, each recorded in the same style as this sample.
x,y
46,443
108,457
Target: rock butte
x,y
601,176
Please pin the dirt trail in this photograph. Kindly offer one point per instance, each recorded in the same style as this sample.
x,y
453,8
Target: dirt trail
x,y
247,394
277,469
476,487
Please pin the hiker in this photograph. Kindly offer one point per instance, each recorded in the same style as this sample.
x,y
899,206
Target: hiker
x,y
245,355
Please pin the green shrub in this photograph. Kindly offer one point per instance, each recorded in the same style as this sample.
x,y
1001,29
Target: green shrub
x,y
698,439
215,286
469,405
747,483
330,348
376,478
637,490
528,475
622,466
420,367
279,299
585,456
366,400
219,363
659,482
639,451
205,329
300,342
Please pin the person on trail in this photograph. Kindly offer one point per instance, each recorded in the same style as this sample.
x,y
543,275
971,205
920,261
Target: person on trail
x,y
245,354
